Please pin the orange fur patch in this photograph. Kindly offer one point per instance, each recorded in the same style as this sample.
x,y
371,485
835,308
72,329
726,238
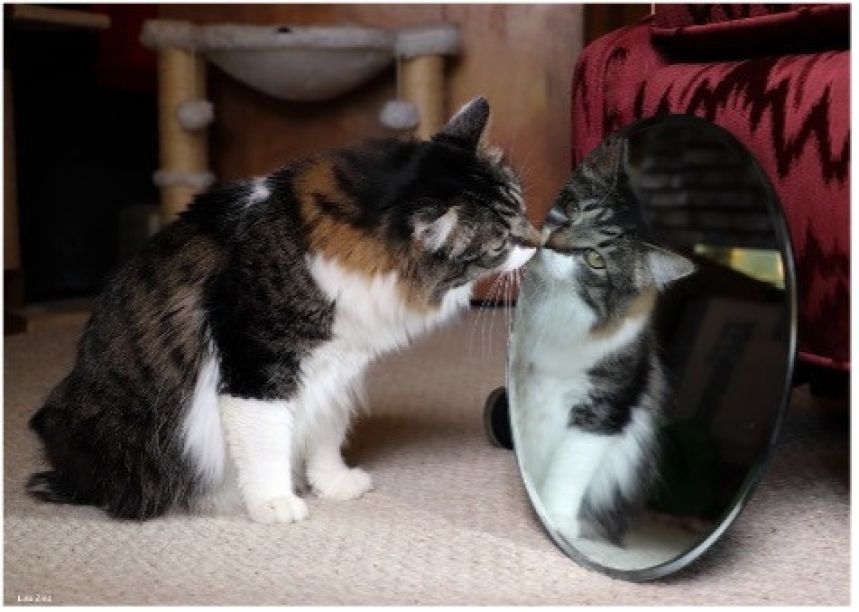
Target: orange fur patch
x,y
340,241
641,306
334,238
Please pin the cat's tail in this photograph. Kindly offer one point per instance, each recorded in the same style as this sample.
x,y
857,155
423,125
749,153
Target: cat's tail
x,y
49,487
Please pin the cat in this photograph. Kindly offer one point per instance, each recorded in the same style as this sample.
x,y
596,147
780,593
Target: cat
x,y
228,354
587,380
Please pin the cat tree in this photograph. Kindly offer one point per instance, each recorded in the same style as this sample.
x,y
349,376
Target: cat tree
x,y
290,63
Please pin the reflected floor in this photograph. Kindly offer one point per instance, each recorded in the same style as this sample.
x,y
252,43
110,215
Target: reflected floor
x,y
655,540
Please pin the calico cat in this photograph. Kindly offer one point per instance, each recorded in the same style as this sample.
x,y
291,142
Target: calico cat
x,y
230,350
589,385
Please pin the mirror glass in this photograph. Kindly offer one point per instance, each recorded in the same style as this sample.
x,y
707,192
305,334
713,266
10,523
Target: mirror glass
x,y
652,347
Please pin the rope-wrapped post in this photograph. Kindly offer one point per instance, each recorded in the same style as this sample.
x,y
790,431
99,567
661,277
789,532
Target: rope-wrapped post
x,y
421,52
423,85
184,155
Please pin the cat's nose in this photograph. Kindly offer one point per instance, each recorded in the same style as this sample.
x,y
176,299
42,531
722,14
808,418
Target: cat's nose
x,y
531,236
517,258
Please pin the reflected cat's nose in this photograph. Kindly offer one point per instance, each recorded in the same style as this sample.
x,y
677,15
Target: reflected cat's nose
x,y
529,235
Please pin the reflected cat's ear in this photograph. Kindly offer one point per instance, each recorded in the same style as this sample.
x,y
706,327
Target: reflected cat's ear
x,y
666,266
618,162
431,235
466,127
603,170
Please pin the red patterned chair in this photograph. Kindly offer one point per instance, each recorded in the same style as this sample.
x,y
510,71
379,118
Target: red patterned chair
x,y
778,78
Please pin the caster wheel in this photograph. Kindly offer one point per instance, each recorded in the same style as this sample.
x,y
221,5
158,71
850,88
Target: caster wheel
x,y
496,419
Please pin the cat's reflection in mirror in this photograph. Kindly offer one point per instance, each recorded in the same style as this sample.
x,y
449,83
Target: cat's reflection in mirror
x,y
589,382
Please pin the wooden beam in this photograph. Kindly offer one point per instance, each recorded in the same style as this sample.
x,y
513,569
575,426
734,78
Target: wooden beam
x,y
69,18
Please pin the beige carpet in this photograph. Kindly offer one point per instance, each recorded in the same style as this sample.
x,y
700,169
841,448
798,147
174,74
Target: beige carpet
x,y
447,524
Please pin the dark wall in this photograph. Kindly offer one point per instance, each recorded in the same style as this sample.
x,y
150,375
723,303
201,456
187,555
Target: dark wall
x,y
85,153
601,19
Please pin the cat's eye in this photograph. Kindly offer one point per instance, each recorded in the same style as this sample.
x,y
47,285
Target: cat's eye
x,y
594,259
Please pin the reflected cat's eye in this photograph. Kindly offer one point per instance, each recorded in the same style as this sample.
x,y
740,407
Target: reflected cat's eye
x,y
594,259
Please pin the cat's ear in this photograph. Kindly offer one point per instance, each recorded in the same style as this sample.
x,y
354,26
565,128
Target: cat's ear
x,y
466,127
432,234
666,266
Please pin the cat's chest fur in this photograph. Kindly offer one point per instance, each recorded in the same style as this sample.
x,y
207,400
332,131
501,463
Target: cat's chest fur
x,y
371,315
370,319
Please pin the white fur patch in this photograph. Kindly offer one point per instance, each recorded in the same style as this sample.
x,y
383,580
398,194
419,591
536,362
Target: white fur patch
x,y
260,191
555,266
518,257
201,430
372,316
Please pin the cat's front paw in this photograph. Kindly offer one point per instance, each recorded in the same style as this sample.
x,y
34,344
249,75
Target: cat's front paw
x,y
279,510
563,520
344,484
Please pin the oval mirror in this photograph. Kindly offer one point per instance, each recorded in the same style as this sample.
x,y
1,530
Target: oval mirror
x,y
652,348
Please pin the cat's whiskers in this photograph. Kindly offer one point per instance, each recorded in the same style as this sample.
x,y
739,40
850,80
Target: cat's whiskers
x,y
476,322
506,290
513,289
510,285
488,322
524,170
481,313
502,278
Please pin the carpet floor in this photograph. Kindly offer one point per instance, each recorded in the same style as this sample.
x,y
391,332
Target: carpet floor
x,y
448,523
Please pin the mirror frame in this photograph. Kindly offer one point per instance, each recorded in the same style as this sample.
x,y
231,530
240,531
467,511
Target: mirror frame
x,y
756,472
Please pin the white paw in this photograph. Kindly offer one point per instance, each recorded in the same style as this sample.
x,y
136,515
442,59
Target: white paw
x,y
343,484
564,522
279,510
